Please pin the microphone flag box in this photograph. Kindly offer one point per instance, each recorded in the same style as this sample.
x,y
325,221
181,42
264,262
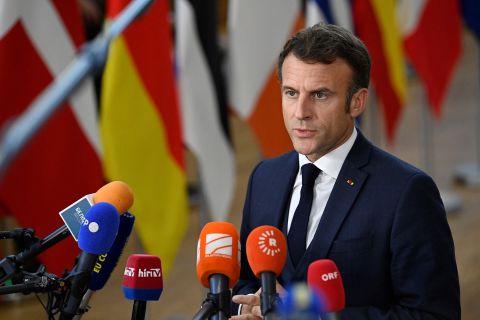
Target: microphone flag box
x,y
142,279
74,215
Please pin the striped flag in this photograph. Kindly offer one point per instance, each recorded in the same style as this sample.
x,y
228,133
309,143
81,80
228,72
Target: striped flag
x,y
375,23
140,127
38,39
431,36
471,15
203,102
329,11
257,32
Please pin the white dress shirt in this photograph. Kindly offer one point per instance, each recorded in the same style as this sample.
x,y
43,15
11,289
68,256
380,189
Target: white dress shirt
x,y
330,165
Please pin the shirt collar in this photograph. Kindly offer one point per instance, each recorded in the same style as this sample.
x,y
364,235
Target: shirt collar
x,y
332,162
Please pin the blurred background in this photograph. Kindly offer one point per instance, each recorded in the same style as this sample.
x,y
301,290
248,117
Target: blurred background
x,y
188,103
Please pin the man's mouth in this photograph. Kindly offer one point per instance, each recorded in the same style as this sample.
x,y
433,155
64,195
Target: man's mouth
x,y
303,133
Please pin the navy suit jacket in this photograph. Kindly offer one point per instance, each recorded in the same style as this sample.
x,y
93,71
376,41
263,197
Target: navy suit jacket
x,y
387,233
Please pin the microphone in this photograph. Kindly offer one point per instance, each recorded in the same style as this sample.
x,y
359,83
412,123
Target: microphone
x,y
299,302
218,268
266,254
107,262
96,236
324,277
117,193
142,282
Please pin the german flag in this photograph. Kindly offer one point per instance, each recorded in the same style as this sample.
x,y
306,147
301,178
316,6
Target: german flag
x,y
140,127
432,40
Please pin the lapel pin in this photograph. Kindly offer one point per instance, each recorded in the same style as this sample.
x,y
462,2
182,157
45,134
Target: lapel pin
x,y
350,183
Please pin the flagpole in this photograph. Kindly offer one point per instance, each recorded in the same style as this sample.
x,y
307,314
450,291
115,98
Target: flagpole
x,y
451,200
18,132
427,138
469,173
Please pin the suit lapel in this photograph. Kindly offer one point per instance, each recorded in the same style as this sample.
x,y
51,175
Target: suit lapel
x,y
280,189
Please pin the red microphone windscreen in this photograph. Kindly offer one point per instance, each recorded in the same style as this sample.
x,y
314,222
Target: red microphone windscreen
x,y
117,193
218,252
324,277
266,250
142,279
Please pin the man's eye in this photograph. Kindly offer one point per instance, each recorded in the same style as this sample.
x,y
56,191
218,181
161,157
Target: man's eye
x,y
320,95
290,93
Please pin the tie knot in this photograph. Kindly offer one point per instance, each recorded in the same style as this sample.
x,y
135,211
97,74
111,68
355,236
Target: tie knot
x,y
309,174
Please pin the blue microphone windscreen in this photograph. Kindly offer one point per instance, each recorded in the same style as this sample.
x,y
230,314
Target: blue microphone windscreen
x,y
300,302
142,294
106,263
99,229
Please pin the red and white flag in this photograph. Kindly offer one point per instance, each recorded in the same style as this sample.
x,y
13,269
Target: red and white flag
x,y
431,37
61,163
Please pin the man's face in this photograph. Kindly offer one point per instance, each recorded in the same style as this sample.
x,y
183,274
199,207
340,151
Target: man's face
x,y
314,105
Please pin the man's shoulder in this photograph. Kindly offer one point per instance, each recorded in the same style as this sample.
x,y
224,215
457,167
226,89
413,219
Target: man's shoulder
x,y
280,165
381,161
289,158
283,158
392,164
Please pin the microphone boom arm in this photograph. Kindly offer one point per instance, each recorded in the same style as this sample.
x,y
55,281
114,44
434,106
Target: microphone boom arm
x,y
42,282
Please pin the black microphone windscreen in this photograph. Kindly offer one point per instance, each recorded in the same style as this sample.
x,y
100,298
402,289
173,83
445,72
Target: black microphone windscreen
x,y
106,263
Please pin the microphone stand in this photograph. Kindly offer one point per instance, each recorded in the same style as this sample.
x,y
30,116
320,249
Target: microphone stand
x,y
139,310
36,282
10,264
269,298
26,234
93,57
217,304
208,308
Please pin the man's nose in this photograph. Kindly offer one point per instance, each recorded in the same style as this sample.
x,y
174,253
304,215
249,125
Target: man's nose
x,y
303,108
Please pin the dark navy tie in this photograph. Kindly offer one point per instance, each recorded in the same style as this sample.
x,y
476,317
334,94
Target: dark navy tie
x,y
297,235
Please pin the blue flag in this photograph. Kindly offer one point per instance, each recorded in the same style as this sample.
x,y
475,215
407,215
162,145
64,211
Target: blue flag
x,y
471,15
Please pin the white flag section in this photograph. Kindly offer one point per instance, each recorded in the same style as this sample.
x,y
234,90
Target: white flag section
x,y
43,24
257,32
409,13
334,11
203,133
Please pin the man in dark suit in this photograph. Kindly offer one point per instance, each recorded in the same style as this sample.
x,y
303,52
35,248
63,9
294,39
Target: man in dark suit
x,y
378,218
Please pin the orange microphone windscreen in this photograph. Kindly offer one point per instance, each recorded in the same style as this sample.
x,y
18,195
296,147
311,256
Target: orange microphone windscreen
x,y
266,250
117,193
218,252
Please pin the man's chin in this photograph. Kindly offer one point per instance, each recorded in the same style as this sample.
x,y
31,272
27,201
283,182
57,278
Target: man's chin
x,y
304,151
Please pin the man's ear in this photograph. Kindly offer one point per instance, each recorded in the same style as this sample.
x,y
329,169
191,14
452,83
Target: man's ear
x,y
358,102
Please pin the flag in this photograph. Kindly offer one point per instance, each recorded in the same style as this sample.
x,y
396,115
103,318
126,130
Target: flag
x,y
334,12
140,128
471,15
257,32
375,24
61,163
203,102
431,36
